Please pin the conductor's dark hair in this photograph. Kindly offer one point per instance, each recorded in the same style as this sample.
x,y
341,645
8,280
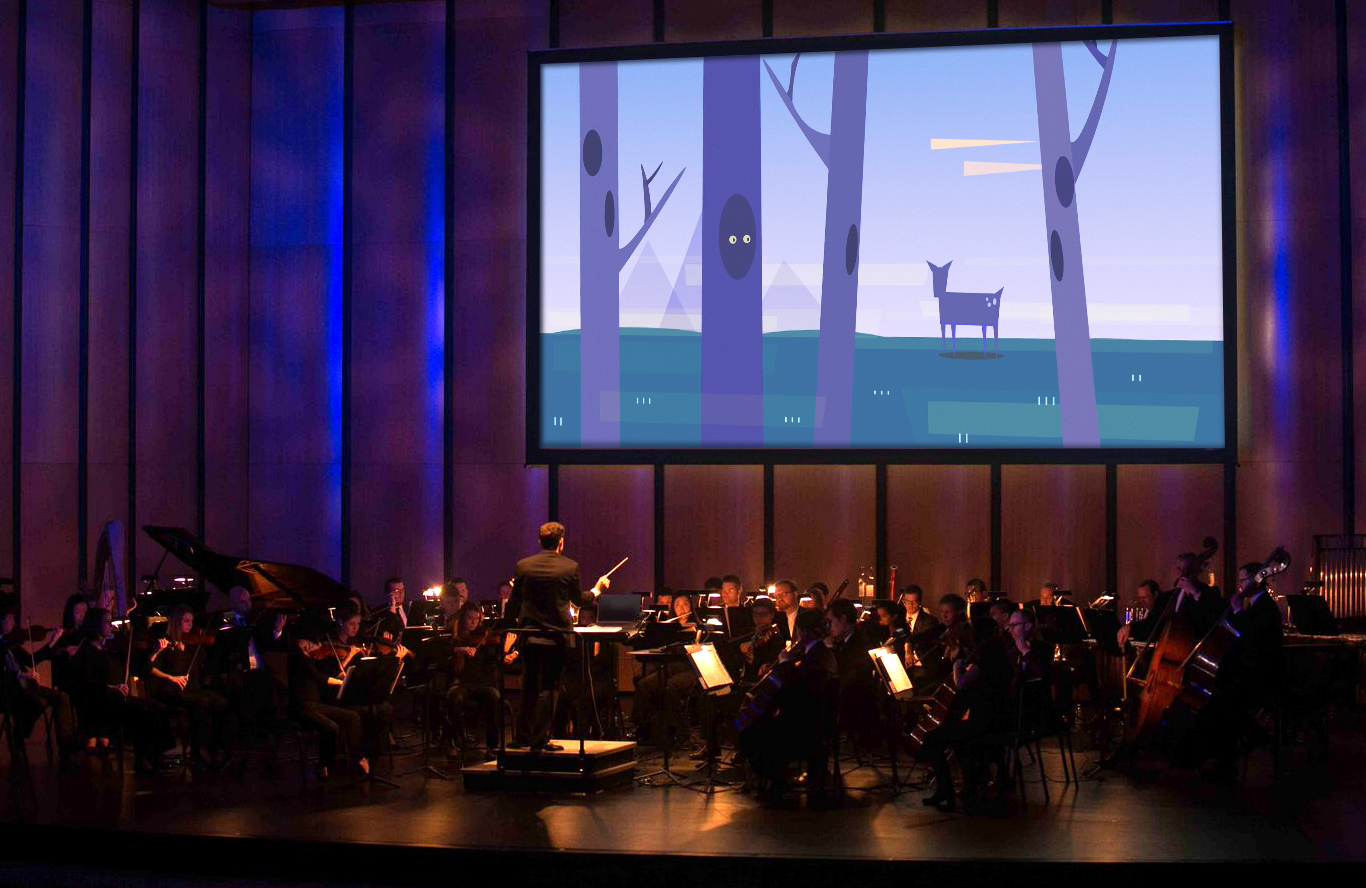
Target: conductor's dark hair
x,y
551,533
733,578
842,608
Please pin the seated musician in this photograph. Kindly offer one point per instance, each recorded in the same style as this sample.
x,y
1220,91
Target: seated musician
x,y
975,592
857,691
1252,676
313,686
63,643
1000,610
891,621
376,718
789,605
1028,654
504,593
236,667
393,619
1048,597
473,687
659,706
936,653
736,622
796,729
764,645
982,676
919,621
453,597
28,697
817,594
104,704
173,681
1201,603
1152,600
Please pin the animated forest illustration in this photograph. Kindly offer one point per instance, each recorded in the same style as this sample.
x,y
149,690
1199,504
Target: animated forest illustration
x,y
993,246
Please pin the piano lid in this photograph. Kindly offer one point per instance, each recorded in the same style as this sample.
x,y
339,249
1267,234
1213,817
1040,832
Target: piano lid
x,y
272,584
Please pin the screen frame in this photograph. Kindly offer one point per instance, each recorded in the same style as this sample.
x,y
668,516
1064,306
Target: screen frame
x,y
538,454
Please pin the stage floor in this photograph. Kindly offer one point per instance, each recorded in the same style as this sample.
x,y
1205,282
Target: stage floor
x,y
1316,811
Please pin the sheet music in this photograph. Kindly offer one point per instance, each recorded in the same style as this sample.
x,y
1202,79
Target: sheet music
x,y
709,666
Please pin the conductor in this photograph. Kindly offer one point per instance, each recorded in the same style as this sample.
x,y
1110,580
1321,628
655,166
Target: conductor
x,y
545,585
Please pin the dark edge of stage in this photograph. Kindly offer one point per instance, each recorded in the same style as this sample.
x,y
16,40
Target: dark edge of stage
x,y
39,855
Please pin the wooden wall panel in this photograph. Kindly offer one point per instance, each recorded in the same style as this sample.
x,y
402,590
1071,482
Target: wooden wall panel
x,y
823,522
1037,13
51,305
296,287
227,282
1164,511
608,513
9,88
1290,372
498,501
810,18
605,22
1052,529
398,306
686,21
935,15
713,525
1356,93
939,526
167,273
111,147
1129,11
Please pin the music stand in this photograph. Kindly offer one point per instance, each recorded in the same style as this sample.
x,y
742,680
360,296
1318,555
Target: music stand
x,y
715,681
896,681
419,639
660,658
368,683
1311,615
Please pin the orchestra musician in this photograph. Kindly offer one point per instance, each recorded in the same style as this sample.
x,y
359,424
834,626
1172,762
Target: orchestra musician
x,y
1000,610
453,597
1151,598
504,593
660,703
313,687
891,621
63,643
393,619
857,690
975,592
789,606
819,593
376,718
104,700
981,675
236,667
173,681
27,697
764,645
544,587
473,686
1048,597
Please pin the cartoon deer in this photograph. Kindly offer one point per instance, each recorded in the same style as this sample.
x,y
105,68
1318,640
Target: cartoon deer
x,y
974,309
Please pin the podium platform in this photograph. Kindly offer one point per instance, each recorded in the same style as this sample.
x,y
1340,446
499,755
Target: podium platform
x,y
605,763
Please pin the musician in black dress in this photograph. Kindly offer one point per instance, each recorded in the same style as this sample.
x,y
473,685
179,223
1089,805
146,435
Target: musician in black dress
x,y
661,702
173,679
545,585
26,697
102,698
313,685
62,644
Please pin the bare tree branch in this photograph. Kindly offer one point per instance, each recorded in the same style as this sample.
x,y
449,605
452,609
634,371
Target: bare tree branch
x,y
792,75
820,141
1082,145
645,184
625,252
1095,51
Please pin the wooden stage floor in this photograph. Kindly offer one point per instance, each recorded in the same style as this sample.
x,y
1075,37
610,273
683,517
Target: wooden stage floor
x,y
1316,811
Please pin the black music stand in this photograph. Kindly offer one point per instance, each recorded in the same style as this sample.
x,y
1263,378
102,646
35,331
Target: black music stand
x,y
368,683
715,681
417,639
665,776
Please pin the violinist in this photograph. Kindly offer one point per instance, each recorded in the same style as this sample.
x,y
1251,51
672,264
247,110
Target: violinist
x,y
764,646
453,597
473,687
313,687
28,697
789,606
63,643
891,621
173,680
104,702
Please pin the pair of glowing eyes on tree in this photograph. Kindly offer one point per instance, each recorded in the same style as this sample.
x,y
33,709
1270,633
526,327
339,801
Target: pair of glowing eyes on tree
x,y
746,238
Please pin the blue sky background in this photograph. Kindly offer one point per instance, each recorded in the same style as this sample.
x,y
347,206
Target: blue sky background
x,y
1148,196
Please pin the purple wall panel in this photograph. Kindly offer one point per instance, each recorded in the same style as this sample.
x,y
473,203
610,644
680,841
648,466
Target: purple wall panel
x,y
111,103
167,272
1052,529
606,22
227,276
1290,371
9,54
296,255
499,502
397,294
1356,91
1127,11
688,20
608,513
51,301
714,524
